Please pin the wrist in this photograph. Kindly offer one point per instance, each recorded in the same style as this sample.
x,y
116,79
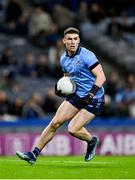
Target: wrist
x,y
94,90
91,95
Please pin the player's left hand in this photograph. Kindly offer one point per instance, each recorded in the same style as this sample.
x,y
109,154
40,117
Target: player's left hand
x,y
85,100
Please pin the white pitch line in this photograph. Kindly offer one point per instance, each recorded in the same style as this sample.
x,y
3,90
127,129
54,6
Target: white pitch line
x,y
68,162
81,162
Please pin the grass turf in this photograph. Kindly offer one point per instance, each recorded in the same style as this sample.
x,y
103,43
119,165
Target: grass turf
x,y
101,167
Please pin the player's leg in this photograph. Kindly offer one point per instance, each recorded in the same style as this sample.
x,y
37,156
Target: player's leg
x,y
76,128
65,112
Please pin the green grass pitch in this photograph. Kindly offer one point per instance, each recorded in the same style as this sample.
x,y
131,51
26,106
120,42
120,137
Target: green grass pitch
x,y
101,167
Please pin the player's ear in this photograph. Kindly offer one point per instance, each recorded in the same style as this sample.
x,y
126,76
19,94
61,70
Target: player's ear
x,y
64,41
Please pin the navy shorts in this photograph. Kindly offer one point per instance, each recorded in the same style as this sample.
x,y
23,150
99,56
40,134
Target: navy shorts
x,y
95,106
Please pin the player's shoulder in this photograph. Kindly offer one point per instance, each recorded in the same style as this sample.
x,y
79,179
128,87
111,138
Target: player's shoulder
x,y
86,51
87,54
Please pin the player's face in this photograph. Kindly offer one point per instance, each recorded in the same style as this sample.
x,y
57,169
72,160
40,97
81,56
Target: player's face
x,y
71,41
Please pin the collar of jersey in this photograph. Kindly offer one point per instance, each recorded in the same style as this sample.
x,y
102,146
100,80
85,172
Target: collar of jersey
x,y
77,52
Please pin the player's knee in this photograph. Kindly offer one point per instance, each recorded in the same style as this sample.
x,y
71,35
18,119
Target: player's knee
x,y
55,125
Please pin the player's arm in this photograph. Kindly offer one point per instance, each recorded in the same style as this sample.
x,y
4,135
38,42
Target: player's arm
x,y
99,81
98,72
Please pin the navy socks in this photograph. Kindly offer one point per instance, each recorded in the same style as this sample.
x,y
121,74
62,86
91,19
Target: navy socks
x,y
91,141
36,151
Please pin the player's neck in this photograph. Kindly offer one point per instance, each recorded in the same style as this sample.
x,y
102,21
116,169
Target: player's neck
x,y
71,53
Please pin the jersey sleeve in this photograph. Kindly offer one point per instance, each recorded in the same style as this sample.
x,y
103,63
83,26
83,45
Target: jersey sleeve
x,y
90,60
64,70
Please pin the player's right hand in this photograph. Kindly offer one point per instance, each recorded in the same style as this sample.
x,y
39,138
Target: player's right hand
x,y
59,93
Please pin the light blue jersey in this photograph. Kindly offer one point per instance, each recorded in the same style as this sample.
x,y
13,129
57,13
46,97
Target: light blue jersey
x,y
79,67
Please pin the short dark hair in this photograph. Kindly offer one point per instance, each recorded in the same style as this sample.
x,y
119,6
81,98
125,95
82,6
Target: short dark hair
x,y
71,30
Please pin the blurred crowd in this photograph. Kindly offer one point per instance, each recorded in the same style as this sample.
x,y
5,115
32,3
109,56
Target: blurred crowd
x,y
37,106
120,96
42,22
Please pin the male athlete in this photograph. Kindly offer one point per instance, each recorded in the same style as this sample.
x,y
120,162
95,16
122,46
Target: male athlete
x,y
85,70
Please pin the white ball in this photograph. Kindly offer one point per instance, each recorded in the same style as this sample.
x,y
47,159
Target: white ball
x,y
66,85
